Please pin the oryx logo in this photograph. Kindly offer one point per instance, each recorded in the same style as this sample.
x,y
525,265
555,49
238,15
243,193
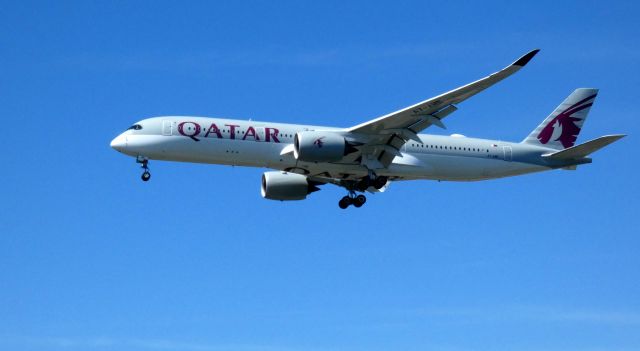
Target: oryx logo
x,y
318,142
563,127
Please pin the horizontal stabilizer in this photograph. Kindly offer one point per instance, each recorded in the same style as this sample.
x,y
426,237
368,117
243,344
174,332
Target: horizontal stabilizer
x,y
583,150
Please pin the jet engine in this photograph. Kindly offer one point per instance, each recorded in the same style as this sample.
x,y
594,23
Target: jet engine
x,y
285,186
318,146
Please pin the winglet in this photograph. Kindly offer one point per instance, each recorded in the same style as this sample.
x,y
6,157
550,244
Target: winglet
x,y
526,58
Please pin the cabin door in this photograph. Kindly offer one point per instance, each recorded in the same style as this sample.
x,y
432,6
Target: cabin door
x,y
167,127
507,153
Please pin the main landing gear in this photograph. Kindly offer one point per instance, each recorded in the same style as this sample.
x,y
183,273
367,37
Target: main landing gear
x,y
352,199
146,175
372,181
377,182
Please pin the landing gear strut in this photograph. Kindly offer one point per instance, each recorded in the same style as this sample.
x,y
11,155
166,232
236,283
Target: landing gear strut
x,y
146,175
352,199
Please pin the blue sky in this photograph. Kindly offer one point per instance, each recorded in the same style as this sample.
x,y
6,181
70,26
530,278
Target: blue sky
x,y
91,258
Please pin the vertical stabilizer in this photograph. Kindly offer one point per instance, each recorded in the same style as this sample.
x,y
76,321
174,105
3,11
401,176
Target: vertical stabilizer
x,y
561,128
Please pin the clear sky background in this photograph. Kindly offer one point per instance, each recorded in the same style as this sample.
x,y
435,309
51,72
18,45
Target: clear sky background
x,y
91,258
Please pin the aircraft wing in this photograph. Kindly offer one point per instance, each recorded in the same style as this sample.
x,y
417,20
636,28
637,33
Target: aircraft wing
x,y
387,134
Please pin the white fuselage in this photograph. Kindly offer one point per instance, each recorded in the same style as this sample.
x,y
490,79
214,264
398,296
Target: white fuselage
x,y
265,144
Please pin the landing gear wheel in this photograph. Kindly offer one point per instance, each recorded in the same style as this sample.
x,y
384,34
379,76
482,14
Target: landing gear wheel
x,y
363,184
380,182
359,200
145,166
344,202
146,176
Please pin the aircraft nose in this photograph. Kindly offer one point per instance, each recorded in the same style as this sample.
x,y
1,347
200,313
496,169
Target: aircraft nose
x,y
119,143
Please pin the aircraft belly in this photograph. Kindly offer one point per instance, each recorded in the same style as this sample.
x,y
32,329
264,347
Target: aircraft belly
x,y
209,150
457,168
513,169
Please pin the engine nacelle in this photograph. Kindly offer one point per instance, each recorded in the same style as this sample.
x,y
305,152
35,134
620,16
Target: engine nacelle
x,y
286,186
318,146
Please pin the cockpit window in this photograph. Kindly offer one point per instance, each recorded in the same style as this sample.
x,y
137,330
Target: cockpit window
x,y
135,127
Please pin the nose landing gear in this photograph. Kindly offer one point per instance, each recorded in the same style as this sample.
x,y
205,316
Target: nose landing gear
x,y
146,175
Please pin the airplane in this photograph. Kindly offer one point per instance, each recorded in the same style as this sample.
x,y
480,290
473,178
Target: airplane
x,y
369,156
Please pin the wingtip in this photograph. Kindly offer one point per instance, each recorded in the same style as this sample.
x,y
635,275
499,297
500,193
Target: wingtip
x,y
614,137
526,58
